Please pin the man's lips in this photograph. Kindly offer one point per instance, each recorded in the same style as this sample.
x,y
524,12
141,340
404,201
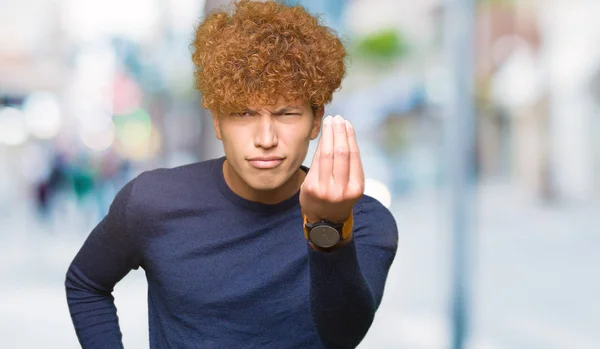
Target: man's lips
x,y
265,162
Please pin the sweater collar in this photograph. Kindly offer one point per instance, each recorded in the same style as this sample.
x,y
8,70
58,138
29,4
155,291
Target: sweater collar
x,y
258,207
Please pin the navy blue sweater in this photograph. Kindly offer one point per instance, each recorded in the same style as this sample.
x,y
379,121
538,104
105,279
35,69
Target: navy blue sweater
x,y
226,272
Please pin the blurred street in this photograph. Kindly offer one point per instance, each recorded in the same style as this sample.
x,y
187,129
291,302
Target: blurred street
x,y
499,98
534,278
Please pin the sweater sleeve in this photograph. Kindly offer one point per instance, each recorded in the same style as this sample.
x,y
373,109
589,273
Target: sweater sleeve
x,y
107,255
346,285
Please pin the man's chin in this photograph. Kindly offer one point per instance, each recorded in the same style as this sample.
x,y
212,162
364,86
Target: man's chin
x,y
266,187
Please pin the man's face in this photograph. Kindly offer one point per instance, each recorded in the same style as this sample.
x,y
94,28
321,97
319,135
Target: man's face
x,y
266,145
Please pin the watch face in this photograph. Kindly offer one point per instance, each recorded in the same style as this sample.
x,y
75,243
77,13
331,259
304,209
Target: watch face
x,y
324,236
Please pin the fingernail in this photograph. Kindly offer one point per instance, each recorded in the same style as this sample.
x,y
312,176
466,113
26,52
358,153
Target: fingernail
x,y
328,119
348,125
338,119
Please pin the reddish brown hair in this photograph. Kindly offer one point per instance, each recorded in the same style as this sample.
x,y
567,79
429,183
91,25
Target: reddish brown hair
x,y
261,51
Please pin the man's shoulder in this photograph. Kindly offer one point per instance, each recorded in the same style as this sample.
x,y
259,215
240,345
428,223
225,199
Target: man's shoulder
x,y
182,176
375,220
370,205
159,189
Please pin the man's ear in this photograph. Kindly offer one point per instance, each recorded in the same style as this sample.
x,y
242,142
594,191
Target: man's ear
x,y
318,118
216,125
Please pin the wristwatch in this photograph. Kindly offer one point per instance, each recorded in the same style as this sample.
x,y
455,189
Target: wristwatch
x,y
325,234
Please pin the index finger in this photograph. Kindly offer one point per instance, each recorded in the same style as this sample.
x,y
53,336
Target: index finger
x,y
326,152
314,166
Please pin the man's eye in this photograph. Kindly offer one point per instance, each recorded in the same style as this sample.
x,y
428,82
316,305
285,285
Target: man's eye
x,y
291,114
242,114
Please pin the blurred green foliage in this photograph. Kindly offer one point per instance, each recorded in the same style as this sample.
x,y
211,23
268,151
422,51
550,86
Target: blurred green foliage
x,y
384,45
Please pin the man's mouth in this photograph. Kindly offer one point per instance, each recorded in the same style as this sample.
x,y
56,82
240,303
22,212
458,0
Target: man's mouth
x,y
266,162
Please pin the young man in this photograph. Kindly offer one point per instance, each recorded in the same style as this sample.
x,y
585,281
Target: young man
x,y
251,250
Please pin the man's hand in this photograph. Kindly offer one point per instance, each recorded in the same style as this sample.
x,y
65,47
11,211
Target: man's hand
x,y
336,179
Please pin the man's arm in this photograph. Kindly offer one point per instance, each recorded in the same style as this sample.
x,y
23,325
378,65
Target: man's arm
x,y
108,254
346,284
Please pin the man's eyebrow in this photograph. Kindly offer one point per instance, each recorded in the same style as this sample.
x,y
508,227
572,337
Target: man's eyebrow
x,y
286,109
241,111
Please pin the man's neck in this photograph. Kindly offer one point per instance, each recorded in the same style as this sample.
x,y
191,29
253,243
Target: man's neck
x,y
238,186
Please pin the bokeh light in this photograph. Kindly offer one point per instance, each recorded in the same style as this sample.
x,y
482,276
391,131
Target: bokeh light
x,y
98,134
379,191
43,115
137,138
13,129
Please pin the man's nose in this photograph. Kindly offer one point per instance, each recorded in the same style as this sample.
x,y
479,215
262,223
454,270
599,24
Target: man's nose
x,y
266,135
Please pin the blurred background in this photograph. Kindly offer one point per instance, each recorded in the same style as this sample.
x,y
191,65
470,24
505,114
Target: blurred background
x,y
94,92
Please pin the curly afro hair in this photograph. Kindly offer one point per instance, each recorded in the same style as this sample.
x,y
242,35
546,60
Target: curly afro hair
x,y
263,51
